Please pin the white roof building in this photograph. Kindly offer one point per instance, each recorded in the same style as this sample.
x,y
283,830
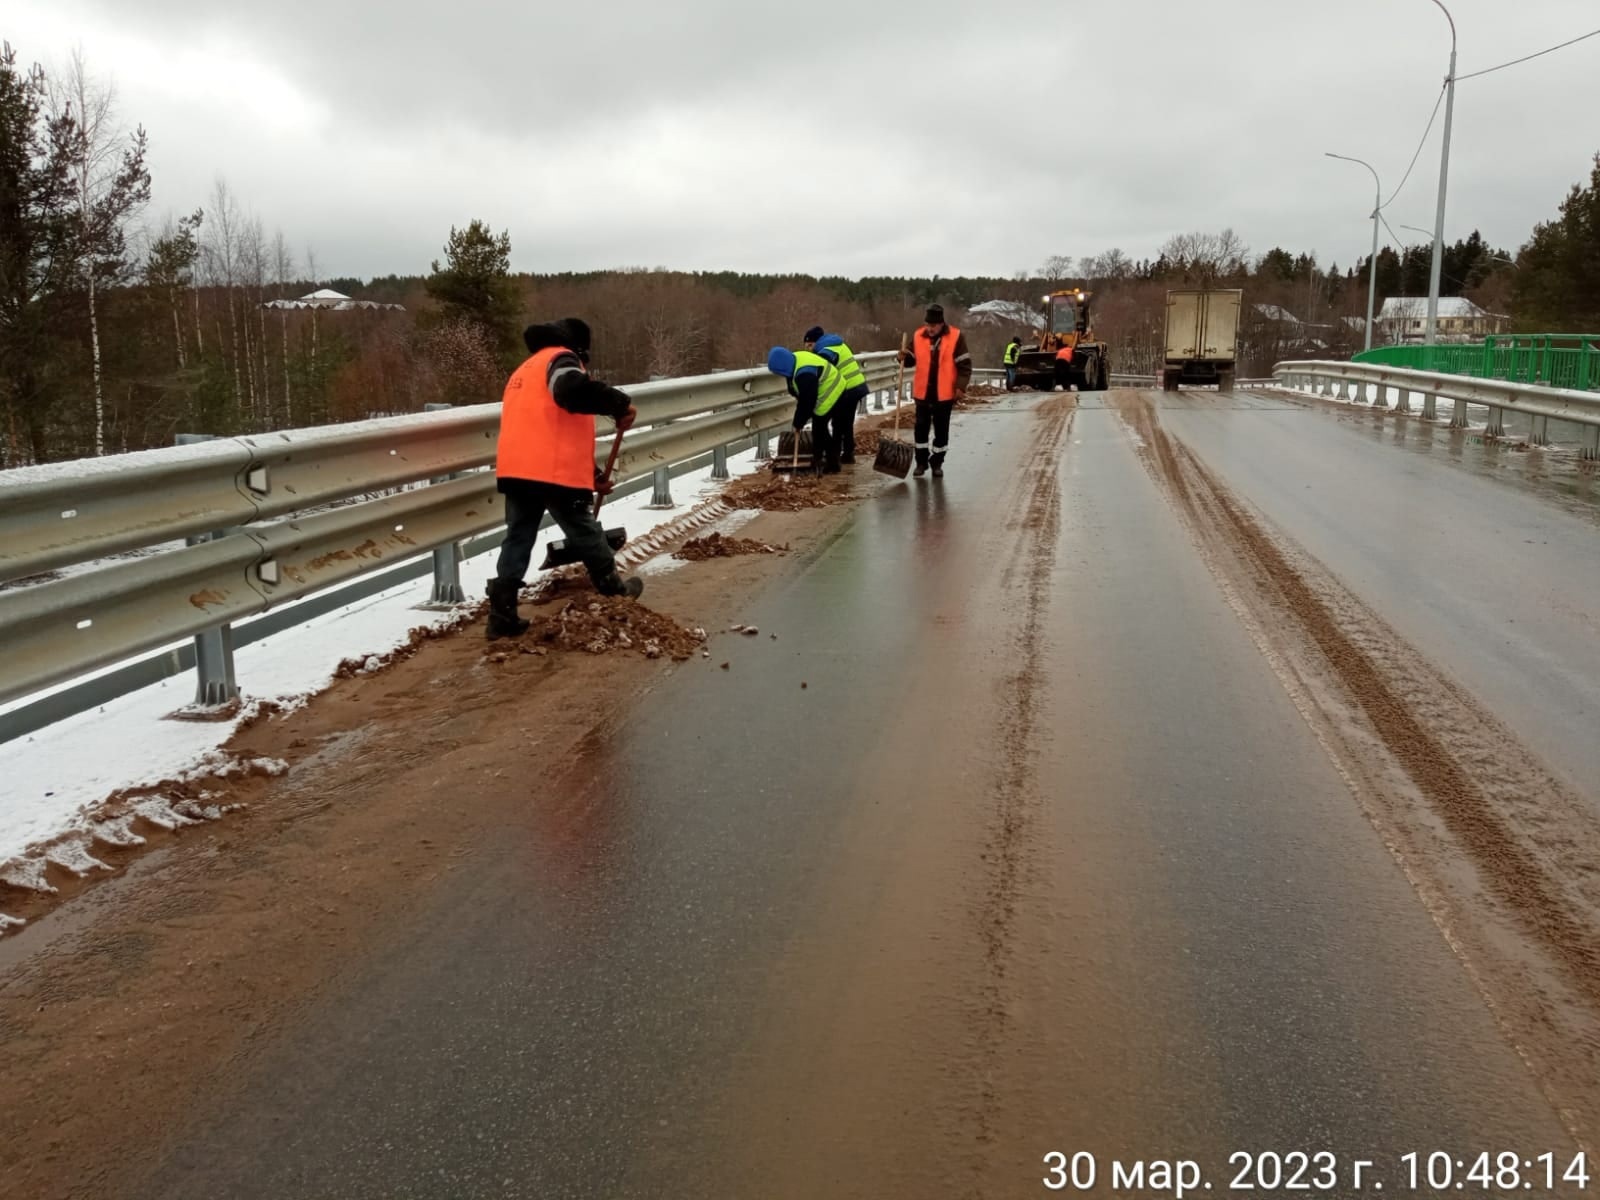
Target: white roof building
x,y
327,298
1004,312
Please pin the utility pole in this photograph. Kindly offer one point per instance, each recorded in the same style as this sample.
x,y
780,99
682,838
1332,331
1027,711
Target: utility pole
x,y
1444,181
1372,263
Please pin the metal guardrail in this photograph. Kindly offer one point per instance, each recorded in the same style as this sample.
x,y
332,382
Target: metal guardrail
x,y
1564,360
1540,405
248,499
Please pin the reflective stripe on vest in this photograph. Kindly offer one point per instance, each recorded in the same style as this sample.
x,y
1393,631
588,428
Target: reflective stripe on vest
x,y
830,386
1012,353
853,377
540,440
922,344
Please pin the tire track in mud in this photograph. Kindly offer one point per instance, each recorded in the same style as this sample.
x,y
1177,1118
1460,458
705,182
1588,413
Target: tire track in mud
x,y
1439,777
1016,797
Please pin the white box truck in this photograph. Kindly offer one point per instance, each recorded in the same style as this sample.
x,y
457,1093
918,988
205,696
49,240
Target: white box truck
x,y
1202,338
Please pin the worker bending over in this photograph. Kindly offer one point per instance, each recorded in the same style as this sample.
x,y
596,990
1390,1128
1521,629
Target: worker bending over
x,y
831,347
943,369
1064,369
818,387
1013,353
544,461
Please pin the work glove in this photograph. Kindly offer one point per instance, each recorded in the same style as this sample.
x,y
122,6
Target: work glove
x,y
626,420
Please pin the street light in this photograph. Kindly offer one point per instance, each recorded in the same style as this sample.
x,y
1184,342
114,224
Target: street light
x,y
1372,263
1444,181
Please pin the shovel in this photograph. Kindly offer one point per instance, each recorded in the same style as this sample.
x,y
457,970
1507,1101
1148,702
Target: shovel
x,y
894,456
559,553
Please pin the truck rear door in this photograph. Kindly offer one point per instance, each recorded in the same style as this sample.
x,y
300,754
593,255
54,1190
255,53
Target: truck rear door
x,y
1221,338
1184,321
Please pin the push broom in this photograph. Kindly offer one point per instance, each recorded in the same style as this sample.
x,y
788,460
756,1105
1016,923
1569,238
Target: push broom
x,y
894,456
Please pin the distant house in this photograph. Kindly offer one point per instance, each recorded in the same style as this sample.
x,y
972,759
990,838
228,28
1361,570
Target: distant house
x,y
1405,319
1276,314
326,299
1004,314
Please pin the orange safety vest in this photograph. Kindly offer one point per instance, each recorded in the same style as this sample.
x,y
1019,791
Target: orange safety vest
x,y
540,440
922,344
1064,354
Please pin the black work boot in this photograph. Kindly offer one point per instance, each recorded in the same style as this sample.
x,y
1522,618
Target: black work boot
x,y
938,466
503,620
615,585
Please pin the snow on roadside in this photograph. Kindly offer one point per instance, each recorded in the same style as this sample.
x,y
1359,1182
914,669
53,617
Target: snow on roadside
x,y
51,780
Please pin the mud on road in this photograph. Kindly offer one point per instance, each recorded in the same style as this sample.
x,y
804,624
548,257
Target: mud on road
x,y
148,996
1505,856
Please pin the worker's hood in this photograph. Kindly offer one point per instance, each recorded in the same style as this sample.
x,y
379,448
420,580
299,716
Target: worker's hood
x,y
569,333
780,361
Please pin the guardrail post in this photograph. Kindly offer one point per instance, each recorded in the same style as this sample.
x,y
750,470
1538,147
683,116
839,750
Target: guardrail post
x,y
661,489
1430,407
1496,427
446,559
215,681
719,462
1458,419
764,446
1591,443
1402,399
877,399
1540,436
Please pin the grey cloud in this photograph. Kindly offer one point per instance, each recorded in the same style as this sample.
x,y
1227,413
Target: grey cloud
x,y
945,136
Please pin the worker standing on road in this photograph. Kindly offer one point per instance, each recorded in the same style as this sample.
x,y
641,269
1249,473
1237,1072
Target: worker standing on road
x,y
1064,369
1013,353
831,347
818,387
545,462
943,369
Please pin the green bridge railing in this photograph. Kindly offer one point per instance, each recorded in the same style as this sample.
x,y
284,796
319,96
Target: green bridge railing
x,y
1567,360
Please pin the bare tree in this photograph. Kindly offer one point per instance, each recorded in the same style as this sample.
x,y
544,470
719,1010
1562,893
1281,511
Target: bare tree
x,y
1057,268
222,260
253,252
282,269
109,184
1205,258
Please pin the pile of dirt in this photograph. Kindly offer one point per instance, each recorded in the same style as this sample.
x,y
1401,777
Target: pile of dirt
x,y
786,493
984,391
600,625
714,545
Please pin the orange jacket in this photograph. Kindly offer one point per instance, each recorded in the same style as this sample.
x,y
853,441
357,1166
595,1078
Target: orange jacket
x,y
1064,354
540,440
953,357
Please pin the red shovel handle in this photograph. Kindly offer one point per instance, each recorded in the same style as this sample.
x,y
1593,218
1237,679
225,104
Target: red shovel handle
x,y
611,461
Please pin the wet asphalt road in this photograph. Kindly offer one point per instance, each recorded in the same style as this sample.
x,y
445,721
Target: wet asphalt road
x,y
1042,858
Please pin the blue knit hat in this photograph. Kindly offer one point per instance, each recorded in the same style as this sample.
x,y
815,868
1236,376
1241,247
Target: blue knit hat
x,y
780,361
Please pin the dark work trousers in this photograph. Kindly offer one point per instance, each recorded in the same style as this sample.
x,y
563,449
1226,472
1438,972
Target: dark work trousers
x,y
849,407
933,415
1064,374
573,510
825,438
1011,377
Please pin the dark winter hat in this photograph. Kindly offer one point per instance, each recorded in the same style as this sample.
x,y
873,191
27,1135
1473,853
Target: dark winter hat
x,y
934,315
814,333
575,333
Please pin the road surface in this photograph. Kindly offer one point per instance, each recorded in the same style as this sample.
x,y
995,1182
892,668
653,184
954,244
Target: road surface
x,y
1042,827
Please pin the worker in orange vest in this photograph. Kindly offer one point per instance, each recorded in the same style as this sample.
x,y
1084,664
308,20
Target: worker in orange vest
x,y
1064,369
943,369
544,462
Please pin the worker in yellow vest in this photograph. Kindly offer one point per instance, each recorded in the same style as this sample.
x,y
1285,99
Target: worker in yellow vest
x,y
544,462
1013,353
817,386
831,347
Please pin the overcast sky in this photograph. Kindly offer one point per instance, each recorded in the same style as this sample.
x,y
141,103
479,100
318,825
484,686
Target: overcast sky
x,y
936,138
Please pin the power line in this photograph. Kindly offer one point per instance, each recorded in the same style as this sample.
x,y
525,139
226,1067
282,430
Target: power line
x,y
1490,70
1431,119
